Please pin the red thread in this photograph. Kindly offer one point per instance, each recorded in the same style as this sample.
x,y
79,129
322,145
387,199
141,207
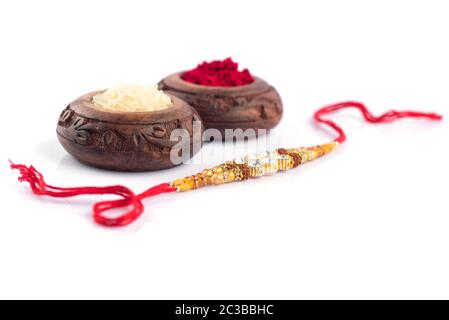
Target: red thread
x,y
218,74
39,187
388,116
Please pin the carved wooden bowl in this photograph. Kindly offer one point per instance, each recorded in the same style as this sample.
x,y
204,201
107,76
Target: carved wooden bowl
x,y
253,106
126,141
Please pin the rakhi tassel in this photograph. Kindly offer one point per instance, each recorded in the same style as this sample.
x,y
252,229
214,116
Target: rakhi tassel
x,y
41,188
250,167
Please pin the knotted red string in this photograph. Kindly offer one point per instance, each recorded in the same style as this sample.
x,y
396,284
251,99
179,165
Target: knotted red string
x,y
39,187
388,116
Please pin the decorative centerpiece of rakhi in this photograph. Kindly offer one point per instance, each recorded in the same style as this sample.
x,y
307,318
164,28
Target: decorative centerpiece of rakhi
x,y
254,166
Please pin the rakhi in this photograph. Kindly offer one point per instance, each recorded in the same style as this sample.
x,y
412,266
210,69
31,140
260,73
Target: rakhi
x,y
252,166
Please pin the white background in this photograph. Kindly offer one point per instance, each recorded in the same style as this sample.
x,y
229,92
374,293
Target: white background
x,y
369,221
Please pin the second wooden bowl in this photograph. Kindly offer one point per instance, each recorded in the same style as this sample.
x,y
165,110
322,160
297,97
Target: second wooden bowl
x,y
126,141
253,106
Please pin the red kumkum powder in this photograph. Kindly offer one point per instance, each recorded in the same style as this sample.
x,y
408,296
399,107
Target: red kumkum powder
x,y
218,74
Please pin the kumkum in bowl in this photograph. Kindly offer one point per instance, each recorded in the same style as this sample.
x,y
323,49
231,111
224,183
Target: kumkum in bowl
x,y
227,98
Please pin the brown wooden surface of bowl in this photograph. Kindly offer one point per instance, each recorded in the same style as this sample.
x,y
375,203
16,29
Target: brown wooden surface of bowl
x,y
125,141
254,106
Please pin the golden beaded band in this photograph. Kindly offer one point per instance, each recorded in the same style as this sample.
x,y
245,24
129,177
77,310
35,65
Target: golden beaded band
x,y
253,166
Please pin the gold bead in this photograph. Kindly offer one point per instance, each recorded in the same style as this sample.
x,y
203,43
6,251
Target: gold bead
x,y
207,176
238,174
256,171
199,181
207,173
218,178
217,170
284,162
230,176
190,181
328,147
178,182
185,187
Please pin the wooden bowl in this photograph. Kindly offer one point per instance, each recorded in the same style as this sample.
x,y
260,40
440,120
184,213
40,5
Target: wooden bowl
x,y
254,106
126,141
